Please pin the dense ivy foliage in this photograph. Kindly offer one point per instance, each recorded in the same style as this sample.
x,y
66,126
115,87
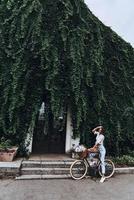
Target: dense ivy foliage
x,y
60,52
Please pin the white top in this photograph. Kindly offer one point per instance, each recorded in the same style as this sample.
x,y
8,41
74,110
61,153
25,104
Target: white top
x,y
99,138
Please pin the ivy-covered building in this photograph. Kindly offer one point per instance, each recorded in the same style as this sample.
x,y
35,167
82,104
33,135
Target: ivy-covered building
x,y
62,72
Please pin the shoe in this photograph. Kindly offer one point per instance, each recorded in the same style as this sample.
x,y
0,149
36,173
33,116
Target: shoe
x,y
102,179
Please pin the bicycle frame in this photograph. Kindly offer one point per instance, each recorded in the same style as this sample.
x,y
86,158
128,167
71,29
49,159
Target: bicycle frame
x,y
95,167
94,159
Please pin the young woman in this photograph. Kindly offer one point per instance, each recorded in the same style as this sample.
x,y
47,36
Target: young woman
x,y
99,132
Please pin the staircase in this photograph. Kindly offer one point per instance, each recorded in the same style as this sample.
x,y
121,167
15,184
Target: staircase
x,y
47,169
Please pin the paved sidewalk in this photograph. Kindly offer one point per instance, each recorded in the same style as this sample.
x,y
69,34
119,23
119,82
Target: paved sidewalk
x,y
120,187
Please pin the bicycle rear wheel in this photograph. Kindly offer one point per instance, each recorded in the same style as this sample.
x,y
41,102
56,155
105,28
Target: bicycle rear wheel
x,y
78,169
109,168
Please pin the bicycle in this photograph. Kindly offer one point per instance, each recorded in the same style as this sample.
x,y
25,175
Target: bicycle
x,y
79,167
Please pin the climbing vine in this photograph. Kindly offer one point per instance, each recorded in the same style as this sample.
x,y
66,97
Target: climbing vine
x,y
61,50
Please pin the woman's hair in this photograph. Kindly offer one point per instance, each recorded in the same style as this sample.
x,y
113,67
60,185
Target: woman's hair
x,y
102,130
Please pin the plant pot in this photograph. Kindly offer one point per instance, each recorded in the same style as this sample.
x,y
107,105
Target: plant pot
x,y
8,156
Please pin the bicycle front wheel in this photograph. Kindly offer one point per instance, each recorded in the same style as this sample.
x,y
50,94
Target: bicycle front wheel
x,y
78,169
109,168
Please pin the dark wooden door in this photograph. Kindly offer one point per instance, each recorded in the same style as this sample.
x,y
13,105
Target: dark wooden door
x,y
51,140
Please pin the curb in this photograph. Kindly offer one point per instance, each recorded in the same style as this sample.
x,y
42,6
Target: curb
x,y
124,170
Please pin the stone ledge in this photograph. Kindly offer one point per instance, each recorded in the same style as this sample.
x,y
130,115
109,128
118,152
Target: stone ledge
x,y
10,169
124,170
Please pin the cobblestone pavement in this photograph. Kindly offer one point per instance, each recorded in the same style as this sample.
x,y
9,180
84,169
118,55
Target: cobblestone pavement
x,y
116,188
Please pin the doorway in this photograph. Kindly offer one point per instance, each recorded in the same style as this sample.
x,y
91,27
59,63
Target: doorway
x,y
49,135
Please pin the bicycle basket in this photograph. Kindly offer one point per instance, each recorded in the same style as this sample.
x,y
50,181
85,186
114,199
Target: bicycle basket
x,y
83,154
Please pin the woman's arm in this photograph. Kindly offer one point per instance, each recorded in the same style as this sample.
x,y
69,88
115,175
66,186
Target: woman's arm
x,y
96,129
94,148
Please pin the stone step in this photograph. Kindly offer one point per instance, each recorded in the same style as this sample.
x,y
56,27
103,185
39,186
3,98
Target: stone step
x,y
37,177
31,164
46,164
28,177
56,164
44,171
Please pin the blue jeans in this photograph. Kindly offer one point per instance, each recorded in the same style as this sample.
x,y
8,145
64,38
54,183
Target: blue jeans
x,y
102,151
